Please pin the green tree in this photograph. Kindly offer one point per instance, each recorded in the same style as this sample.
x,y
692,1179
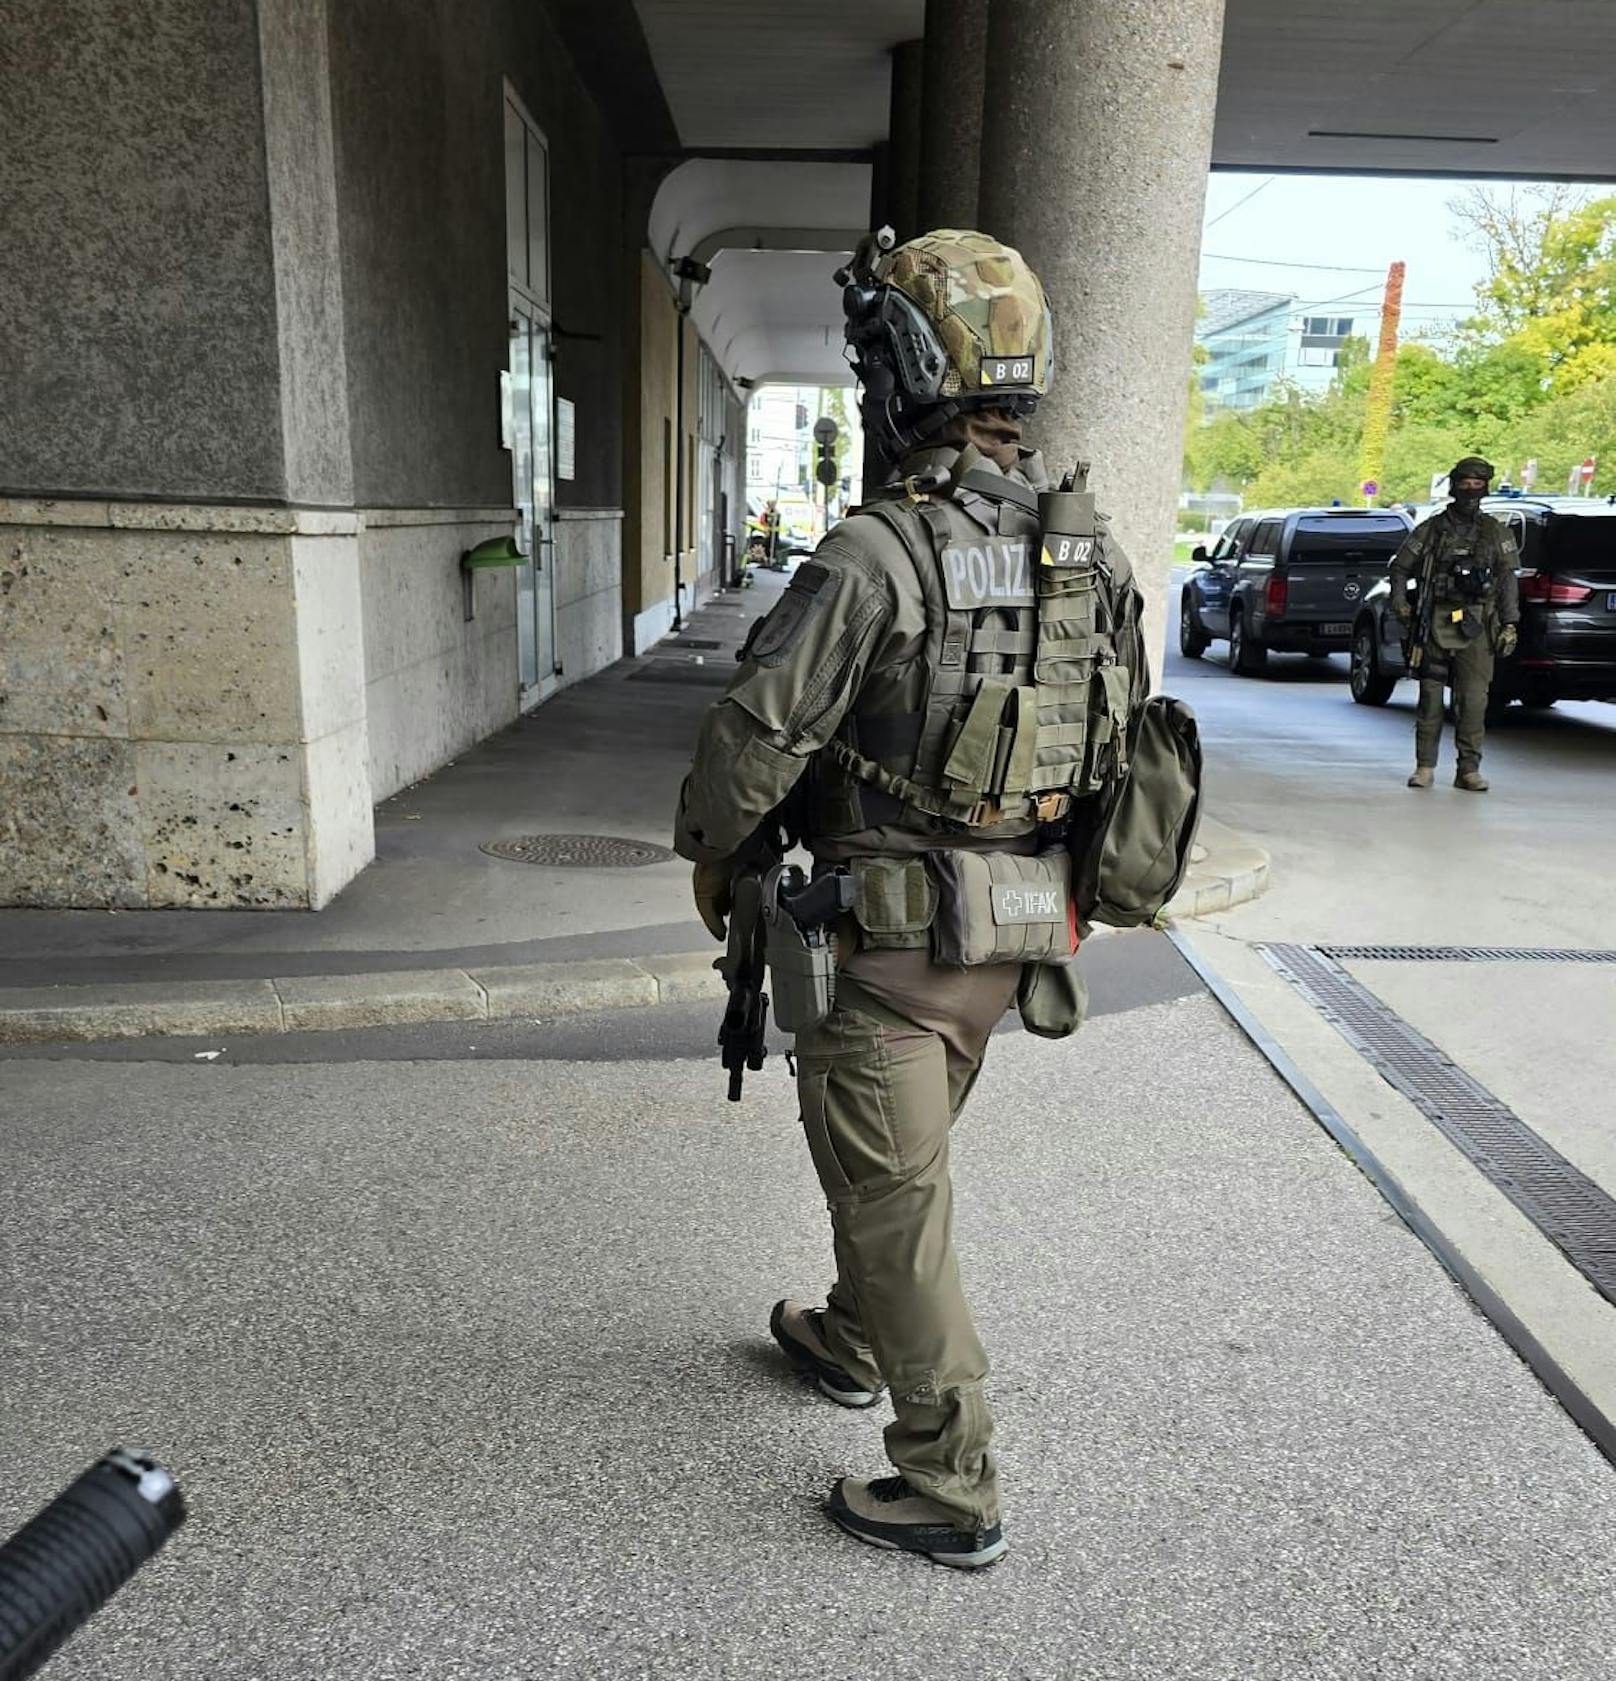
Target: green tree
x,y
1550,293
1415,454
1532,374
1425,392
1317,479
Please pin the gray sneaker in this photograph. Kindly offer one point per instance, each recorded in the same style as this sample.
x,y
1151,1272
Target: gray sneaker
x,y
1472,781
1422,777
887,1512
796,1329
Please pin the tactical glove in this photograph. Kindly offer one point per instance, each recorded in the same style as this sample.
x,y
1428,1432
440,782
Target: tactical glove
x,y
1507,638
710,884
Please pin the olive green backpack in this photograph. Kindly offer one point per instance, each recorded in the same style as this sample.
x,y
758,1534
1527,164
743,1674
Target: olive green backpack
x,y
1131,843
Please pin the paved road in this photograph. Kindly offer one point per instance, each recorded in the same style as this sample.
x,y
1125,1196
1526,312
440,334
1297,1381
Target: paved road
x,y
462,1362
1359,859
458,1344
1319,782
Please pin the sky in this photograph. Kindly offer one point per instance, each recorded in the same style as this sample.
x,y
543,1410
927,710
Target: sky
x,y
1358,222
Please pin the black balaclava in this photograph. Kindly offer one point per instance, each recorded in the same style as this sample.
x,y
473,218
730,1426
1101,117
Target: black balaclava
x,y
1471,467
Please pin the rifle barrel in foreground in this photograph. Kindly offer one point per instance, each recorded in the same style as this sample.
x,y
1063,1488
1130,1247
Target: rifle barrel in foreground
x,y
59,1569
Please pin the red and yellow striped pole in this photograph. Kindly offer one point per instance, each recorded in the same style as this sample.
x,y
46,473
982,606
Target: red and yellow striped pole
x,y
1378,406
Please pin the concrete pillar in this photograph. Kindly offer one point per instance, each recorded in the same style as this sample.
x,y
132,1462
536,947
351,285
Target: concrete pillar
x,y
1097,137
182,679
903,157
955,67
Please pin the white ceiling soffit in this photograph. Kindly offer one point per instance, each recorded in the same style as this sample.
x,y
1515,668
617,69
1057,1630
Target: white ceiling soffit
x,y
778,73
1467,87
707,203
775,315
773,233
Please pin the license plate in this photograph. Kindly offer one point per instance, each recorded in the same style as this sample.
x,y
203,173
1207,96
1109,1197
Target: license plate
x,y
1610,602
1336,630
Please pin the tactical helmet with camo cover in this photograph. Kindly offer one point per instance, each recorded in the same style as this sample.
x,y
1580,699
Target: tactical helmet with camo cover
x,y
950,320
986,306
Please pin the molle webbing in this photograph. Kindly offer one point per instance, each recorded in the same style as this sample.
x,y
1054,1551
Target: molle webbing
x,y
977,728
1075,644
1026,704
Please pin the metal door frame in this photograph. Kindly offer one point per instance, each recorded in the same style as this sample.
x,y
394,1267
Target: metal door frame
x,y
526,304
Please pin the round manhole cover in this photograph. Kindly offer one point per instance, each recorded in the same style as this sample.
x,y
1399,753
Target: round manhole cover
x,y
578,852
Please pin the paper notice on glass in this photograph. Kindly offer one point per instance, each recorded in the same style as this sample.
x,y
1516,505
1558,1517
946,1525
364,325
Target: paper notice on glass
x,y
565,440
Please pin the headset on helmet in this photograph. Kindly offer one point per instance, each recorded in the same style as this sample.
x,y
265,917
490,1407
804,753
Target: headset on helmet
x,y
944,322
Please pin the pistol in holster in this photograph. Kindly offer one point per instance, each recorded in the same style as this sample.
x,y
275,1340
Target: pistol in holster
x,y
799,919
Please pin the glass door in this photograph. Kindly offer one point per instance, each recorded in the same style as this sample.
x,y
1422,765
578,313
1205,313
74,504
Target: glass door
x,y
533,473
530,397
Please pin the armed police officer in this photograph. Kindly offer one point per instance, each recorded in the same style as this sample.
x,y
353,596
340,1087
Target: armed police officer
x,y
891,698
1453,587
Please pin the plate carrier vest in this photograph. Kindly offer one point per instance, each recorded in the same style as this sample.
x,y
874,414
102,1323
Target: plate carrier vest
x,y
1031,627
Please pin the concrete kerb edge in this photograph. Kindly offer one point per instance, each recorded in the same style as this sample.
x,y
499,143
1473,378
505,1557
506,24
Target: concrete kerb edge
x,y
1230,876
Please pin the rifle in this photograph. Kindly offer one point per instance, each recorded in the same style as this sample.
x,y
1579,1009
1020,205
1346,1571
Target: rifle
x,y
1424,607
58,1570
746,1012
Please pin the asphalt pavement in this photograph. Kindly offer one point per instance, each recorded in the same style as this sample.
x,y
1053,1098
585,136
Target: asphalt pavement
x,y
464,1367
458,1344
1479,931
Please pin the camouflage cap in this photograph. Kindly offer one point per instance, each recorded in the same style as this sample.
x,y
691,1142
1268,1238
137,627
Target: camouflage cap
x,y
987,306
1471,467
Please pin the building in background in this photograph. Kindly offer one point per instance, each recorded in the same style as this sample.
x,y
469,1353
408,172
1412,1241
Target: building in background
x,y
1253,340
778,435
781,455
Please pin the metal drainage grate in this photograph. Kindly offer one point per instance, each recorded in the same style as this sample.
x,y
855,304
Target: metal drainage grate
x,y
578,852
1464,954
1570,1210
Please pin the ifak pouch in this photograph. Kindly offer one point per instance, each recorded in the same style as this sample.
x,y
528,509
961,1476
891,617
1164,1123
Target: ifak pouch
x,y
1002,907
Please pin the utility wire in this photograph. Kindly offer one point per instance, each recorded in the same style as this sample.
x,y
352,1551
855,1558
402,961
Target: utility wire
x,y
1239,201
1276,262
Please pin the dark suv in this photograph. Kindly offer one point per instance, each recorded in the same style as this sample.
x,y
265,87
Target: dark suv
x,y
1567,648
1287,579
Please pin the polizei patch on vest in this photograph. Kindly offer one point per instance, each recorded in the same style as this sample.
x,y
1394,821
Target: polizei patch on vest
x,y
1014,905
996,572
1067,551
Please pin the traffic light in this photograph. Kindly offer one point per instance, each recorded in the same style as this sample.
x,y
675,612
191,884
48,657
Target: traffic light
x,y
826,433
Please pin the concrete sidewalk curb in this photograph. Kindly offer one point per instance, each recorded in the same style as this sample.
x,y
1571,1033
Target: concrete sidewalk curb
x,y
1227,871
194,1009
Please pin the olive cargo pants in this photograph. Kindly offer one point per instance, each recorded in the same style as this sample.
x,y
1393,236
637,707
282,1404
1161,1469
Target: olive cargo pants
x,y
1469,668
881,1081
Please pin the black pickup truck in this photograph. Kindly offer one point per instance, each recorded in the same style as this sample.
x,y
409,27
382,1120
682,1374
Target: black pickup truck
x,y
1287,579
